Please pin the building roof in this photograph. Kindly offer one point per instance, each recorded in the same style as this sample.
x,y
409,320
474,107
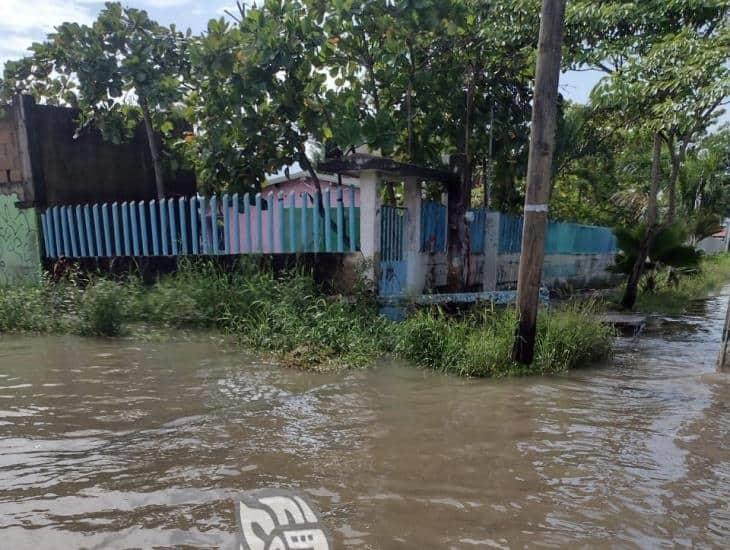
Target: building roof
x,y
352,165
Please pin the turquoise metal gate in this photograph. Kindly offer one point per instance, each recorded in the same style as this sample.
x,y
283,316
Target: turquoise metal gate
x,y
392,257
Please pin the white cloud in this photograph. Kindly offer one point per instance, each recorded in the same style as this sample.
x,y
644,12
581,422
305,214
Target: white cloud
x,y
23,22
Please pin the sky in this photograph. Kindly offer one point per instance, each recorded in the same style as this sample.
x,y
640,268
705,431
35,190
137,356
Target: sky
x,y
23,22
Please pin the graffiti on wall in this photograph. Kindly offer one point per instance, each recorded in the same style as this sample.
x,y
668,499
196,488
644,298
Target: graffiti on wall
x,y
19,254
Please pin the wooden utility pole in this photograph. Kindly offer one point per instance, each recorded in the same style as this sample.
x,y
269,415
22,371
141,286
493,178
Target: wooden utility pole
x,y
539,166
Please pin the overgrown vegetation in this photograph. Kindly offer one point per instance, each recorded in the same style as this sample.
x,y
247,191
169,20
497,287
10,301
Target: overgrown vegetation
x,y
671,293
292,318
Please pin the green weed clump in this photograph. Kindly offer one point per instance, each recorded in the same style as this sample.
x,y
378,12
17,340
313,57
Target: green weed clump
x,y
675,293
292,318
480,344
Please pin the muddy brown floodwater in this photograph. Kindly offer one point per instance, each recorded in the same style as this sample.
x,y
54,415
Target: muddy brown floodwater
x,y
109,444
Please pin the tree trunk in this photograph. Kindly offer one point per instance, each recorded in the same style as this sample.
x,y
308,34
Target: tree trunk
x,y
154,149
632,283
459,195
539,169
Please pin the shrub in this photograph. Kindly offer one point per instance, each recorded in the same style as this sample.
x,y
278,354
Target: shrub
x,y
102,309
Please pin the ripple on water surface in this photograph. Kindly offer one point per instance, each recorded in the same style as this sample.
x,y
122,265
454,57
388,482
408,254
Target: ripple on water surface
x,y
147,445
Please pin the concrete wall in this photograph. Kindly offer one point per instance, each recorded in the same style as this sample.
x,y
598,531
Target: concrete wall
x,y
712,245
19,235
576,270
89,169
19,242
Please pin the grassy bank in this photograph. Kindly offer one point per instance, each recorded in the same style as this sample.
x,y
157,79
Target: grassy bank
x,y
674,297
291,318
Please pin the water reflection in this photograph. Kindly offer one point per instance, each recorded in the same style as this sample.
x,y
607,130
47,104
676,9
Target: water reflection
x,y
147,444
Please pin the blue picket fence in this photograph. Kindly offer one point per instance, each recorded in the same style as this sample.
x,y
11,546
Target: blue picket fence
x,y
562,237
229,224
433,228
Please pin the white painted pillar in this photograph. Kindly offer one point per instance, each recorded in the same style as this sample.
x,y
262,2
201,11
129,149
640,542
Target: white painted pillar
x,y
370,219
491,251
415,262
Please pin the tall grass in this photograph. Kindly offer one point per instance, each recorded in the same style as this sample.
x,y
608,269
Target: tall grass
x,y
481,343
674,296
289,316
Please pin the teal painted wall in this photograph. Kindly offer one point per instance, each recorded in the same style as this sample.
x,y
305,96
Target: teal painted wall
x,y
19,253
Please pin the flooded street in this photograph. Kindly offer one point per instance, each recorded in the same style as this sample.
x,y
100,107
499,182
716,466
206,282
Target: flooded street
x,y
108,444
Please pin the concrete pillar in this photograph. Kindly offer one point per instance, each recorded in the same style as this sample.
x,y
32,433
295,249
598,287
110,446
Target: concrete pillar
x,y
415,268
491,251
370,219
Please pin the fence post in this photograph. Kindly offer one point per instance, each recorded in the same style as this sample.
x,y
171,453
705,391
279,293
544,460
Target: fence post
x,y
370,219
125,229
415,268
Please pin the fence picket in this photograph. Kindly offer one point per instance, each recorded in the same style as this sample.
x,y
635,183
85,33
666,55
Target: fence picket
x,y
90,248
125,229
226,224
270,221
236,224
316,222
134,228
173,225
46,235
107,230
163,227
97,230
247,222
340,222
303,225
194,238
215,243
327,200
204,226
280,218
142,212
292,224
58,237
183,211
79,221
353,239
154,228
259,239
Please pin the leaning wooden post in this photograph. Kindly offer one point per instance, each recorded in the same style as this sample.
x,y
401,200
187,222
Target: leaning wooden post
x,y
542,142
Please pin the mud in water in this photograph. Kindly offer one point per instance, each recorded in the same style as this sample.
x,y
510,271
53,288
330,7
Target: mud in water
x,y
109,444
